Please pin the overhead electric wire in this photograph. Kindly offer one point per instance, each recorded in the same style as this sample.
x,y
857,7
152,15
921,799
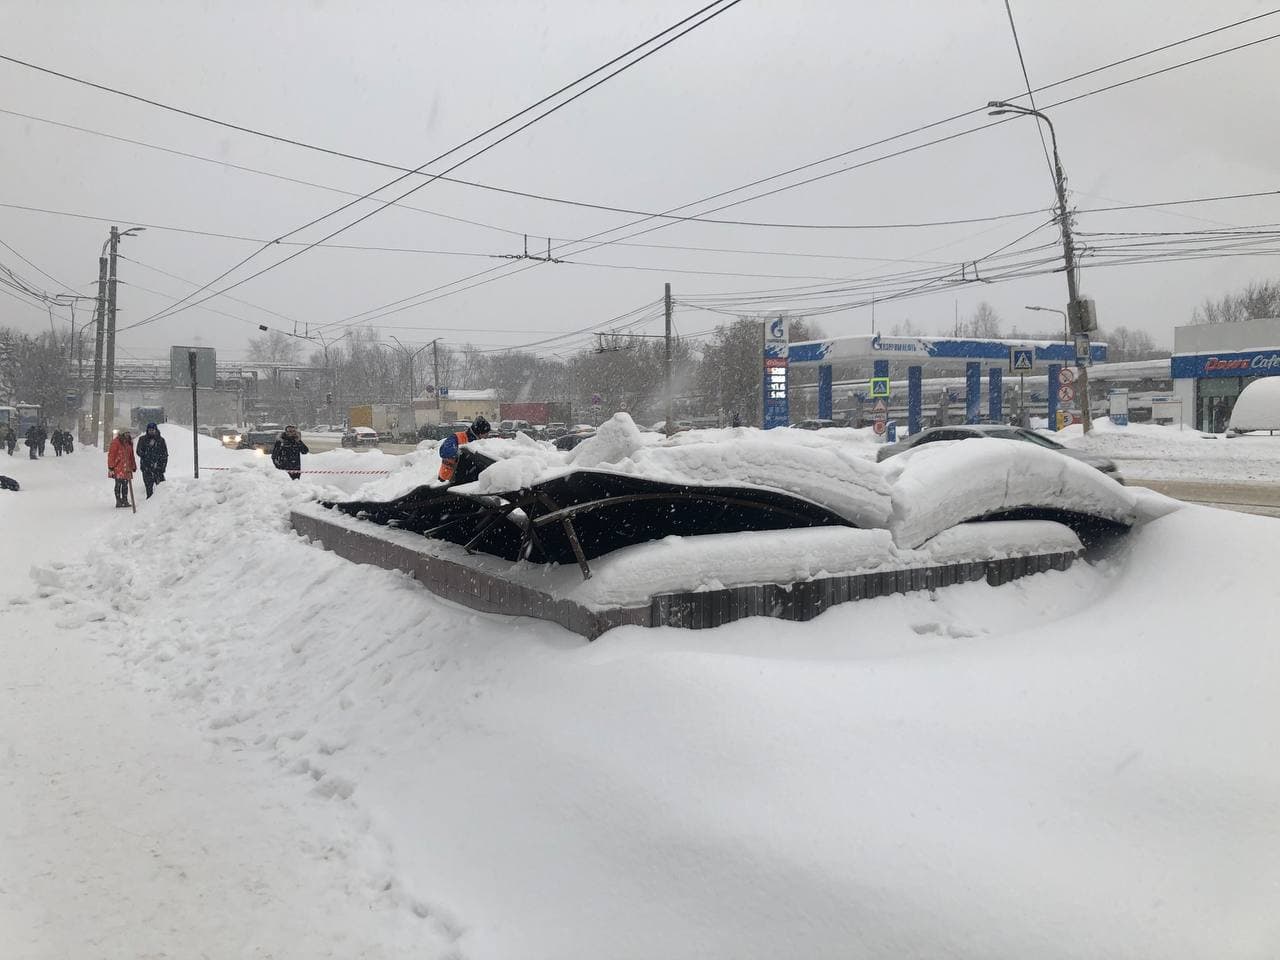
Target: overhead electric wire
x,y
560,200
404,303
1031,96
721,6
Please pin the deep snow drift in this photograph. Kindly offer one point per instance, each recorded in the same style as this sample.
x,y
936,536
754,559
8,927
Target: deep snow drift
x,y
1078,764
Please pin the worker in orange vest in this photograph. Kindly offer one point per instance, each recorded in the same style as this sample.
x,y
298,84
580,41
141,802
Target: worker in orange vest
x,y
478,430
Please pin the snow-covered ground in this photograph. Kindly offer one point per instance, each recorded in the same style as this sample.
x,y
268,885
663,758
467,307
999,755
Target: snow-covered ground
x,y
1145,451
217,739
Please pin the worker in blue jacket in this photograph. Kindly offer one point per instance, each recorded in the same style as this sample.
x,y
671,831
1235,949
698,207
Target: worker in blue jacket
x,y
478,430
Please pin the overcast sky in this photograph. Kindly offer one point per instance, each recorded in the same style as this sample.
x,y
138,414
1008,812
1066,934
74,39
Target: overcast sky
x,y
766,86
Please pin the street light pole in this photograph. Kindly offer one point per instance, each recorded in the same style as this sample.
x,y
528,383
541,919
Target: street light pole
x,y
1000,108
1066,334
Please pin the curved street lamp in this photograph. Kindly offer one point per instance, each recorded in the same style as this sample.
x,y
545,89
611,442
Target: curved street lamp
x,y
999,108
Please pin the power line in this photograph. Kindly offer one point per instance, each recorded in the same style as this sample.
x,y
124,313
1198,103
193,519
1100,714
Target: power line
x,y
404,303
506,136
561,200
1031,97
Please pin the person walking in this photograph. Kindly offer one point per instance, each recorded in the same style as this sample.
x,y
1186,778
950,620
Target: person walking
x,y
287,452
478,430
153,457
56,439
10,439
42,436
32,441
121,465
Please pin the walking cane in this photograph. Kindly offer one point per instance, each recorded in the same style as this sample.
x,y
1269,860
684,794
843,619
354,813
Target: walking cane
x,y
132,502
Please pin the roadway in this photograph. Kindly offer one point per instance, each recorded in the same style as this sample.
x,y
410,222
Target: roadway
x,y
1262,499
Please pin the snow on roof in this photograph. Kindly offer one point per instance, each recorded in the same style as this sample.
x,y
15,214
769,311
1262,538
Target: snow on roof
x,y
939,485
1258,406
789,461
465,395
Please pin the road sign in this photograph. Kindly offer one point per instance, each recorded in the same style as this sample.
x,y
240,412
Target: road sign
x,y
1065,419
879,427
180,366
596,399
1066,393
1066,375
444,391
1082,348
1021,359
879,386
881,408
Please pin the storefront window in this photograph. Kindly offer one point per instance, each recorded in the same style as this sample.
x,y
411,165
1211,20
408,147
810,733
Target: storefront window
x,y
1215,399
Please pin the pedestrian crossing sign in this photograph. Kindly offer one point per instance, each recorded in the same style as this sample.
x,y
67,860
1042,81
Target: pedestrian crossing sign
x,y
1021,359
879,386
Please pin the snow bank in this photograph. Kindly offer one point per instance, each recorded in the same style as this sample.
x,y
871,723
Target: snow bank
x,y
1151,451
979,774
676,564
1258,406
937,486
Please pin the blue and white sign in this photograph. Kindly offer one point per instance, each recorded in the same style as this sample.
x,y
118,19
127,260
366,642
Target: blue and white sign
x,y
1251,363
1022,359
935,349
444,391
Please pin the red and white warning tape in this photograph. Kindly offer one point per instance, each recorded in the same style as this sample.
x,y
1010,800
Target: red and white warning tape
x,y
332,472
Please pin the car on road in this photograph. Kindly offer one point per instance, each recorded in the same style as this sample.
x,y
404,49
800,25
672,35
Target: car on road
x,y
815,424
259,438
228,436
1000,431
360,437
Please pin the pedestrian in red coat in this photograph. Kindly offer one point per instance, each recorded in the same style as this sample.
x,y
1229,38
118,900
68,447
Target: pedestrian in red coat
x,y
121,465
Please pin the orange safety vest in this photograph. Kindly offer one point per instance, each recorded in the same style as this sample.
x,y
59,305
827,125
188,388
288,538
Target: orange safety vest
x,y
448,466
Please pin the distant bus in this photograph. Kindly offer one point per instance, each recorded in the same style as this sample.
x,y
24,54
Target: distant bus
x,y
28,415
139,417
8,418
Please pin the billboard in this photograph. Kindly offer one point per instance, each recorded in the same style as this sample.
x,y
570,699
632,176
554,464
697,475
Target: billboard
x,y
180,366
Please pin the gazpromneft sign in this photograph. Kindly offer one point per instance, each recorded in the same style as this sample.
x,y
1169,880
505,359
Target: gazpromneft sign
x,y
1254,363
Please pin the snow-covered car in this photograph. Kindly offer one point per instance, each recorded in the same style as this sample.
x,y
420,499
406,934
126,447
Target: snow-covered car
x,y
1257,408
360,437
983,431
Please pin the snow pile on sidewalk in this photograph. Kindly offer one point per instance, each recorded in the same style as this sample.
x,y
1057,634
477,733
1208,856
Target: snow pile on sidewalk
x,y
967,774
1258,406
1146,451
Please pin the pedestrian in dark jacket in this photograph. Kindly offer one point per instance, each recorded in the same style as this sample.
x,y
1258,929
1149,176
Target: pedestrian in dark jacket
x,y
32,441
287,452
55,438
42,436
153,457
10,439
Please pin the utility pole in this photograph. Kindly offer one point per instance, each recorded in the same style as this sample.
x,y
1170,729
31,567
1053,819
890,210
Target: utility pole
x,y
109,399
1074,304
100,317
670,425
195,433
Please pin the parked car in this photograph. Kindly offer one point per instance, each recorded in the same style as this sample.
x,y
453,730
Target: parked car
x,y
815,424
1000,431
360,437
556,430
509,428
571,440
